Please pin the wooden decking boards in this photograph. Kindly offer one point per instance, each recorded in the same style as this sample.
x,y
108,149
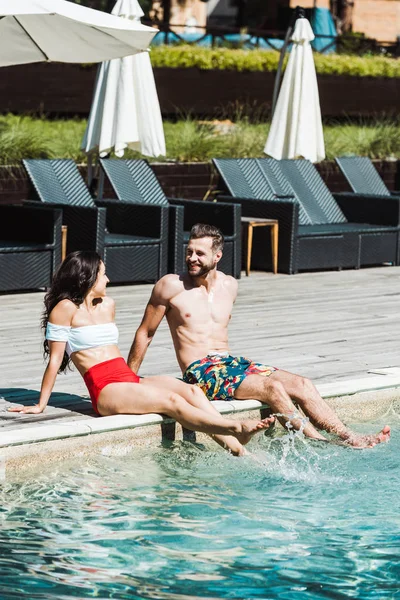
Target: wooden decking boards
x,y
328,326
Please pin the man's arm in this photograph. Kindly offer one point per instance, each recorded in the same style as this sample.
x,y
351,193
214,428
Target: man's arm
x,y
153,315
233,287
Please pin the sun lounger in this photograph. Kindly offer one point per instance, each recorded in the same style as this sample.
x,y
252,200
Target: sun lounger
x,y
317,230
135,182
133,240
363,177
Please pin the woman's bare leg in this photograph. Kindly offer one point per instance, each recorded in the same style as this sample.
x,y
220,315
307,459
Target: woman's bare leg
x,y
195,396
133,398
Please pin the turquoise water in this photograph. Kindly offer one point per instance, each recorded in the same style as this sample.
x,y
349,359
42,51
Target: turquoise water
x,y
297,520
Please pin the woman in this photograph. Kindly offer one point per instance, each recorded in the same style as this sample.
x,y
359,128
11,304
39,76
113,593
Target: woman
x,y
79,323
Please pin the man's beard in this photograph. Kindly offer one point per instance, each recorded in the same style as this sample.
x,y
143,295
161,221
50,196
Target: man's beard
x,y
204,270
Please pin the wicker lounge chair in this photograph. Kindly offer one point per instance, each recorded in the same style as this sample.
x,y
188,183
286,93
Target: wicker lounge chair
x,y
133,240
363,177
135,182
317,230
30,246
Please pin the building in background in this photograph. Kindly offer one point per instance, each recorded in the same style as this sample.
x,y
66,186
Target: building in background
x,y
376,19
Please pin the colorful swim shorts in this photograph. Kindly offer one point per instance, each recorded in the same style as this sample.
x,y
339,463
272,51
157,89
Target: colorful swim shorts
x,y
219,375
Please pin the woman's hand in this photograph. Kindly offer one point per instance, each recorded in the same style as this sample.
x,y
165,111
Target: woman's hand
x,y
32,410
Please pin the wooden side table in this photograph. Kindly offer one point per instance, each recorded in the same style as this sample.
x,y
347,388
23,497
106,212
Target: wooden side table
x,y
252,222
64,233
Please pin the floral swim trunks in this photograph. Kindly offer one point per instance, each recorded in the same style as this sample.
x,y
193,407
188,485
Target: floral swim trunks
x,y
219,375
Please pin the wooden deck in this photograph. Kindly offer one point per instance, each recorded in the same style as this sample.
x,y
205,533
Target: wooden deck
x,y
328,326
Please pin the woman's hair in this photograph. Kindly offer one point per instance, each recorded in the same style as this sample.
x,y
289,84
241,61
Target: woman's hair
x,y
73,280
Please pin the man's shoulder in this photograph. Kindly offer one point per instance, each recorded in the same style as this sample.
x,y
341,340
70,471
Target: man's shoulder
x,y
168,286
229,282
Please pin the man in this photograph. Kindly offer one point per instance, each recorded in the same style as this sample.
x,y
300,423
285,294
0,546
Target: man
x,y
198,308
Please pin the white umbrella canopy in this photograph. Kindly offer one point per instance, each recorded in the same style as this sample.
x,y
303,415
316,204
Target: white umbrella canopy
x,y
296,128
125,110
58,30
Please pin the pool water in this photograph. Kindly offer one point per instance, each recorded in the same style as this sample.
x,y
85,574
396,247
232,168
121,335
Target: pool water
x,y
296,520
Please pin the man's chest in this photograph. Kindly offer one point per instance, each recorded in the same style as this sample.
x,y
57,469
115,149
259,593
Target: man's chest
x,y
199,308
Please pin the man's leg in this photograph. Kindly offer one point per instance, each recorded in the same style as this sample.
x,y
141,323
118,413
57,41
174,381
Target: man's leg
x,y
272,392
281,388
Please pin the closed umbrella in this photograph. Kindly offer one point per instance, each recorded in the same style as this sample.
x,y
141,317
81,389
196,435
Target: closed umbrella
x,y
57,30
125,111
296,128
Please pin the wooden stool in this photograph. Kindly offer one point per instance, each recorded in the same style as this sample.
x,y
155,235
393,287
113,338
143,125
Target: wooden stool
x,y
257,222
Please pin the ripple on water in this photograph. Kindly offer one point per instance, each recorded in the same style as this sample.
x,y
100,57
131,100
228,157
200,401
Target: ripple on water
x,y
295,519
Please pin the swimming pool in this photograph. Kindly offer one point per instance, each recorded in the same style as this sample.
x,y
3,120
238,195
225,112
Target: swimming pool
x,y
296,520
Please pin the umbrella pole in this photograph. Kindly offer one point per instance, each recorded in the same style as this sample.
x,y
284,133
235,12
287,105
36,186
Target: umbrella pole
x,y
298,13
89,169
100,184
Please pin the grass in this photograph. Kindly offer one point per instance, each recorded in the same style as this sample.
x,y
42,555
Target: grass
x,y
189,140
380,140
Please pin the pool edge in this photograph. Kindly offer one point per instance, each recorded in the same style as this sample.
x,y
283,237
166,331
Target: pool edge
x,y
121,434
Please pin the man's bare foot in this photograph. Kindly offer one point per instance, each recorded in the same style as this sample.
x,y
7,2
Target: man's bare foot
x,y
369,441
250,427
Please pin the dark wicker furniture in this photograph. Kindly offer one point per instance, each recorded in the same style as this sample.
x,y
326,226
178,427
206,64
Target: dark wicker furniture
x,y
363,177
30,246
135,182
317,230
133,240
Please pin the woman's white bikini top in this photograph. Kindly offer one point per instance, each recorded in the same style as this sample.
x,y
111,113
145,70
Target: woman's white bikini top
x,y
82,338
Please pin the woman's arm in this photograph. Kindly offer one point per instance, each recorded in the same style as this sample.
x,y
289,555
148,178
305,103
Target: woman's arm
x,y
49,378
61,315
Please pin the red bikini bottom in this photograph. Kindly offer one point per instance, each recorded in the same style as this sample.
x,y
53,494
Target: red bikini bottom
x,y
110,371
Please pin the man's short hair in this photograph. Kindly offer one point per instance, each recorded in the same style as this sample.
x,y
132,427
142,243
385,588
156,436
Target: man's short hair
x,y
202,230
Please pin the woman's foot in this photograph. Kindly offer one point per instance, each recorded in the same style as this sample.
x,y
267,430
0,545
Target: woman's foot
x,y
250,427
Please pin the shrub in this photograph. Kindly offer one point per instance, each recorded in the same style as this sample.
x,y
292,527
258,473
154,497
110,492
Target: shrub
x,y
186,56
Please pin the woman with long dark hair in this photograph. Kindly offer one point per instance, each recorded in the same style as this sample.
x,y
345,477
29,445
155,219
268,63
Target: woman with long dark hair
x,y
79,323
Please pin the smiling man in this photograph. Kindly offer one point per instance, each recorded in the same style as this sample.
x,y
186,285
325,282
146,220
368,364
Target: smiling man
x,y
198,307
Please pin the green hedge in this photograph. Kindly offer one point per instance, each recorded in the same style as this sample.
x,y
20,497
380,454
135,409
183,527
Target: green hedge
x,y
186,56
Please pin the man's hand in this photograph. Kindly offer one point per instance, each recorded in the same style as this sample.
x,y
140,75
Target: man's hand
x,y
32,410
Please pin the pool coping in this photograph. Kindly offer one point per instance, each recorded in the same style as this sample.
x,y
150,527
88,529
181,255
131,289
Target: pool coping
x,y
353,395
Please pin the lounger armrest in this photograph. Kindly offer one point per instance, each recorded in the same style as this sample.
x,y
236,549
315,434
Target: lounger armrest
x,y
371,208
86,228
33,223
138,219
104,202
175,239
224,216
86,225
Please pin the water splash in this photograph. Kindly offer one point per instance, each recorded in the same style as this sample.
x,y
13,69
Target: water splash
x,y
193,522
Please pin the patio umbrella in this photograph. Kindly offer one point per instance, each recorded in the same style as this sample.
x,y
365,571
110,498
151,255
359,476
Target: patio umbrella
x,y
57,30
296,128
125,111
